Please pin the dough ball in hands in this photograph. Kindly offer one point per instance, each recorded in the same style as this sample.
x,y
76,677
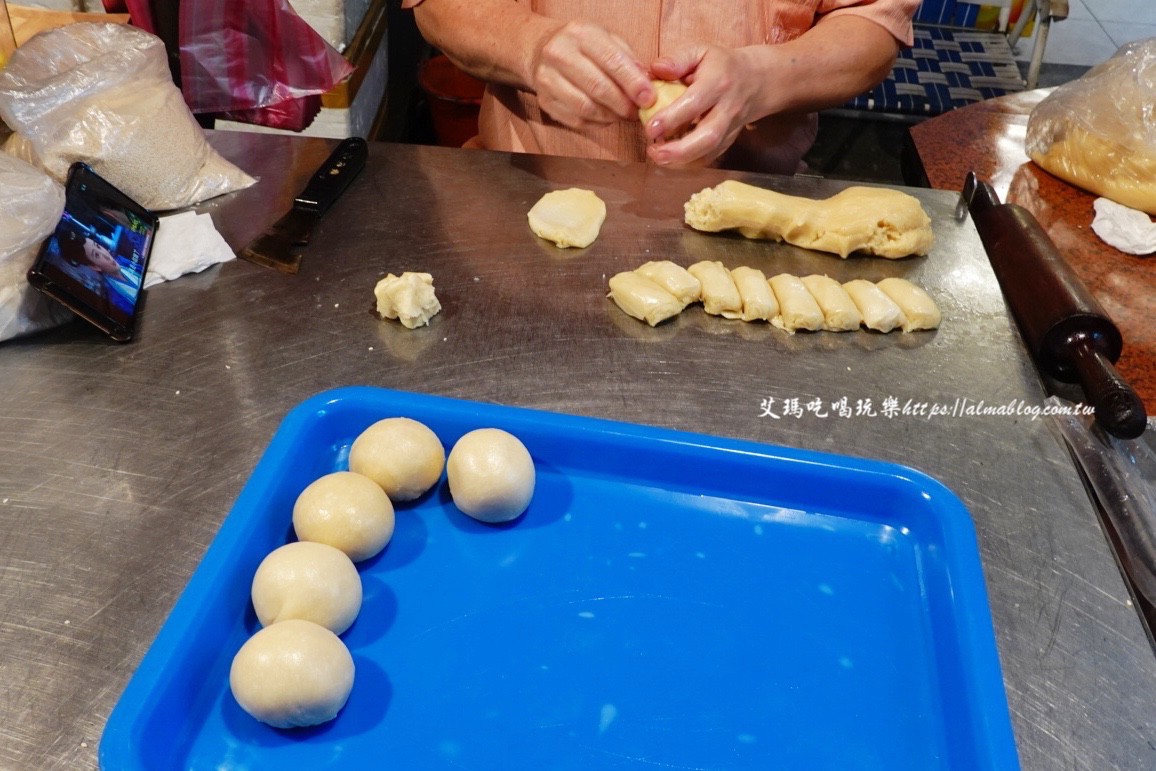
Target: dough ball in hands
x,y
308,581
347,511
666,91
292,674
491,475
402,455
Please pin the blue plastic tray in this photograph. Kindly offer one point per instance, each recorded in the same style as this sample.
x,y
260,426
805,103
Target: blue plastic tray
x,y
669,600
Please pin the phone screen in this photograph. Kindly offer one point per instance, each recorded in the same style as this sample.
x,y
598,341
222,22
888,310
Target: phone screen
x,y
95,261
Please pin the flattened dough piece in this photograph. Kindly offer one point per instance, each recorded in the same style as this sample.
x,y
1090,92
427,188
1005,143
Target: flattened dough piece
x,y
919,310
879,221
720,296
797,308
839,311
879,311
759,303
643,299
409,298
571,217
673,278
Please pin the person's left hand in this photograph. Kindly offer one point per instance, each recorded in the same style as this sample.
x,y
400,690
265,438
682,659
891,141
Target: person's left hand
x,y
724,88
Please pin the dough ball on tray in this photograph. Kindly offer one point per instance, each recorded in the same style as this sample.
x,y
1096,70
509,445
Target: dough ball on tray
x,y
308,581
401,455
347,511
292,674
491,475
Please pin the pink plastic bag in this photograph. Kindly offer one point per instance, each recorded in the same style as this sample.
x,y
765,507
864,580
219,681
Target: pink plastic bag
x,y
254,61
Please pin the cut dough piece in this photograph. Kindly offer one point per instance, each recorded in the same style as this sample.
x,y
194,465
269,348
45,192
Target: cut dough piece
x,y
797,308
879,311
759,303
919,310
839,311
409,298
571,217
291,674
643,299
308,581
720,296
673,278
403,456
348,511
879,221
491,475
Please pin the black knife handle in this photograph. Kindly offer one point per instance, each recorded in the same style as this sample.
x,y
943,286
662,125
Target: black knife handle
x,y
332,177
1119,410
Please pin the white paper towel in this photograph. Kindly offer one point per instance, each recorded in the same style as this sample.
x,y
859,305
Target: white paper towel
x,y
186,242
1126,229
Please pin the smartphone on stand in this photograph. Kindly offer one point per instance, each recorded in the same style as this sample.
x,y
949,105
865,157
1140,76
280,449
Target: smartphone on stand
x,y
94,262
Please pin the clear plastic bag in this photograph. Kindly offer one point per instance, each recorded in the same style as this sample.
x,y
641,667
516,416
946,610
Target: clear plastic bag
x,y
33,202
103,94
1099,132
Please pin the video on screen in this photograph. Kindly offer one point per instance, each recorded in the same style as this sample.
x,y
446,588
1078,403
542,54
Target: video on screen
x,y
103,249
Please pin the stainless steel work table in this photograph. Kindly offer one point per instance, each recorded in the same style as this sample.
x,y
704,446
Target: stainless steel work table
x,y
118,462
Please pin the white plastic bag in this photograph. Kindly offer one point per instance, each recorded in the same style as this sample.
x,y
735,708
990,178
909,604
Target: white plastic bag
x,y
103,94
33,202
1099,132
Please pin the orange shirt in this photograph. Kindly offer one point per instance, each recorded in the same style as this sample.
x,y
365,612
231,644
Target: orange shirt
x,y
511,119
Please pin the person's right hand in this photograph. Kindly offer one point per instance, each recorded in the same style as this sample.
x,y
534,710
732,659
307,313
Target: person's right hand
x,y
585,75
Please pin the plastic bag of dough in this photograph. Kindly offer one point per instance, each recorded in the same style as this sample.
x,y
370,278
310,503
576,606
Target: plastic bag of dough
x,y
1099,132
33,202
103,94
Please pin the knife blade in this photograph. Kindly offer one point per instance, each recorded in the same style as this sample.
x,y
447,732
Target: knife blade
x,y
1070,336
280,247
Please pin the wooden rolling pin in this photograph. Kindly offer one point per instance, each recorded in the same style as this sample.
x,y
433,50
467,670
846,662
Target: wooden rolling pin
x,y
1069,335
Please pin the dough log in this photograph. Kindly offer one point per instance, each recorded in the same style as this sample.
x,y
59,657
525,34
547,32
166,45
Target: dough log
x,y
880,221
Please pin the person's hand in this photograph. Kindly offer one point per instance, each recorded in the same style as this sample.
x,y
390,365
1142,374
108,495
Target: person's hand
x,y
724,89
584,75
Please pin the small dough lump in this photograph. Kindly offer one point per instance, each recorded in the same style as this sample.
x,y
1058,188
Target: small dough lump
x,y
409,298
346,510
402,455
491,475
309,581
571,217
294,673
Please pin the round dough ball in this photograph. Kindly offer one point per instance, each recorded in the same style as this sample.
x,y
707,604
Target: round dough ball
x,y
347,511
402,455
309,581
666,91
491,475
293,673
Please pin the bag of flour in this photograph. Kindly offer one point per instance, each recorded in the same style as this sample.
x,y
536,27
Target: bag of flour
x,y
33,202
103,94
1099,132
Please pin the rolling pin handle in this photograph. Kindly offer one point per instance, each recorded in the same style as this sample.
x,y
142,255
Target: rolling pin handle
x,y
1119,410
